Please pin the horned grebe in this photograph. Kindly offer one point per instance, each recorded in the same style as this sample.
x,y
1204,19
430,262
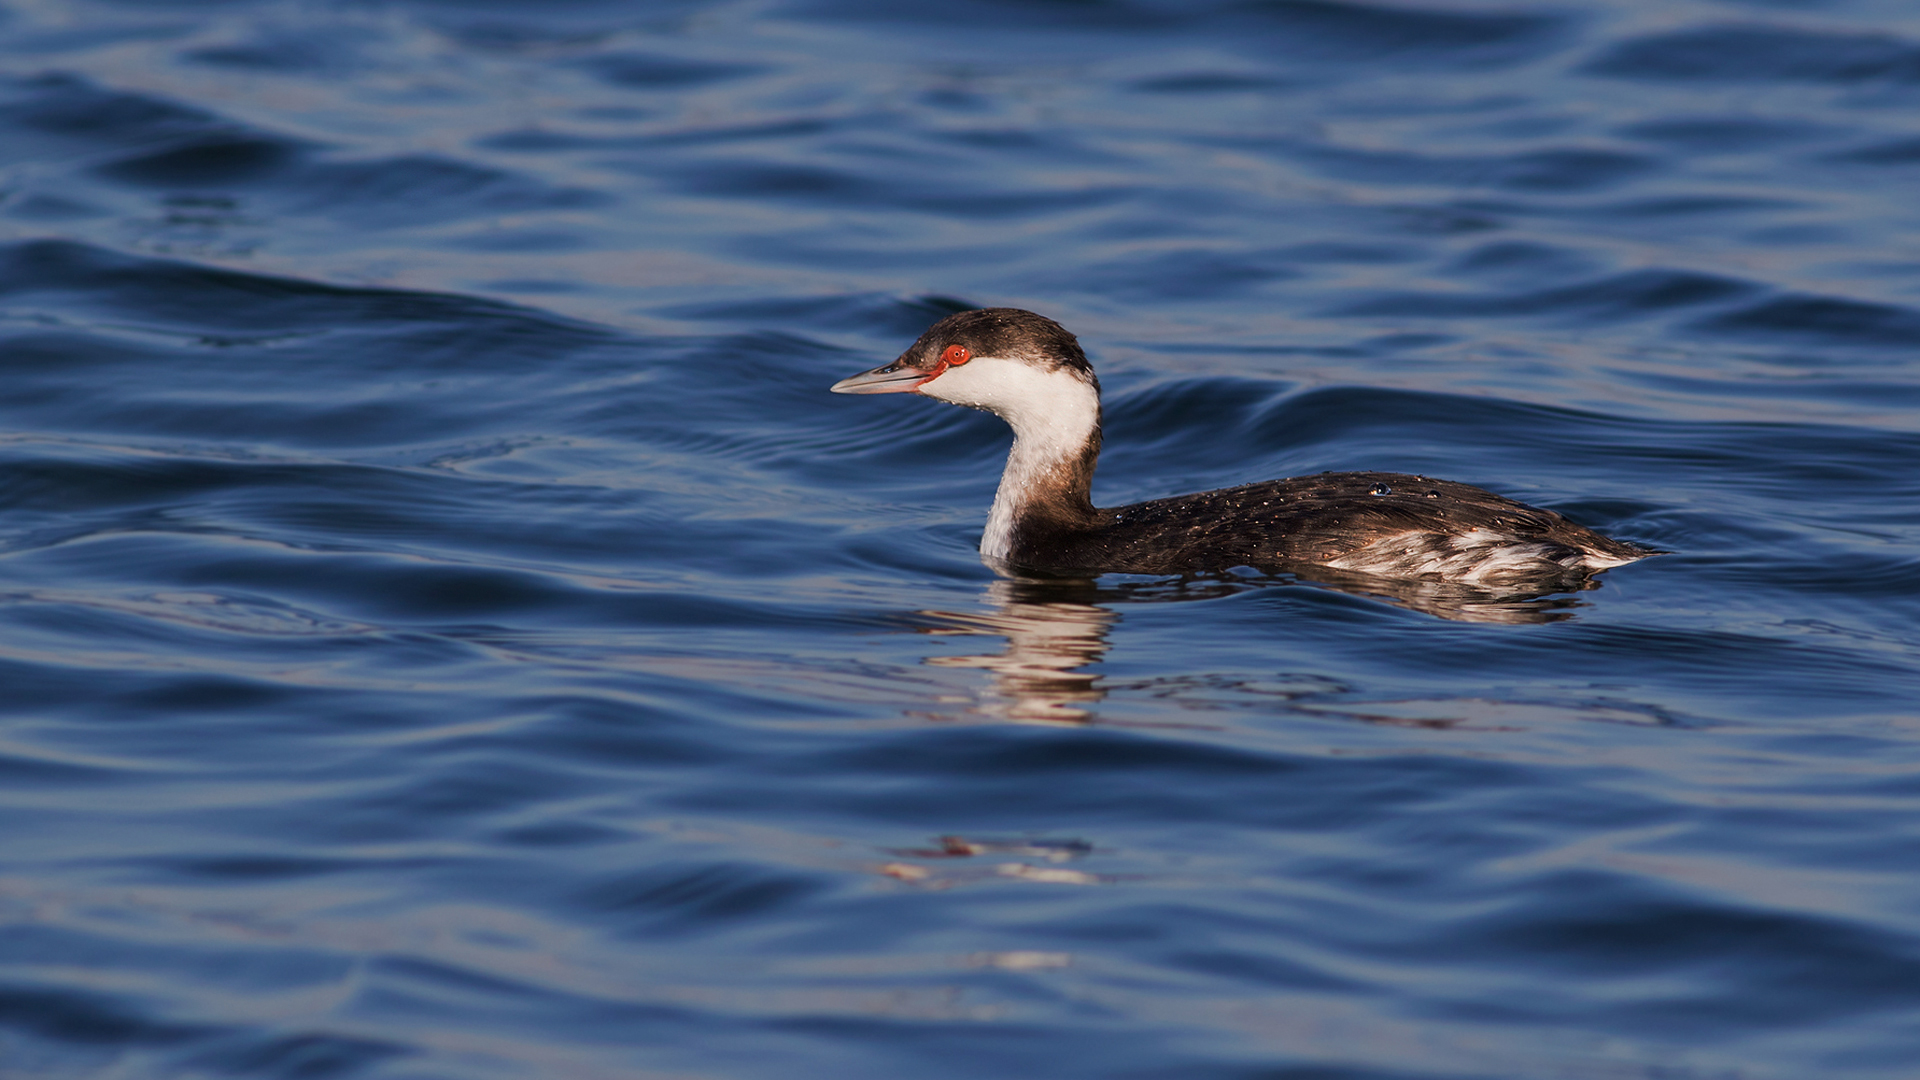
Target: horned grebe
x,y
1030,372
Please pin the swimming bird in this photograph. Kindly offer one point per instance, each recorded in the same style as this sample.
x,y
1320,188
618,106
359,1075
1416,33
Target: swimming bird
x,y
1029,371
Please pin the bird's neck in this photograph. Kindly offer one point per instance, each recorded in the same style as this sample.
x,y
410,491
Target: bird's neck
x,y
1048,481
1055,415
1040,490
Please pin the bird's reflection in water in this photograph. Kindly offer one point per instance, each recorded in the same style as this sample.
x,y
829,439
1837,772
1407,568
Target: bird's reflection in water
x,y
1052,629
1056,627
1535,598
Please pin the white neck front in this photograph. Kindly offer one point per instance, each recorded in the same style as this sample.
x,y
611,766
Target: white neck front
x,y
1053,413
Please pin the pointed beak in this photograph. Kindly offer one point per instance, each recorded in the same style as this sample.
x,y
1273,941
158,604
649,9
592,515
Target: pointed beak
x,y
895,378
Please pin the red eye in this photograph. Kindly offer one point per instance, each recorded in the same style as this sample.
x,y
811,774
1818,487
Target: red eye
x,y
955,355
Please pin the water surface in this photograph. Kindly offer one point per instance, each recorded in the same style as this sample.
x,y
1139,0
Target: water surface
x,y
447,629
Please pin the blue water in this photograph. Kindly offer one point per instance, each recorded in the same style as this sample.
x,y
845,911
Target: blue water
x,y
448,630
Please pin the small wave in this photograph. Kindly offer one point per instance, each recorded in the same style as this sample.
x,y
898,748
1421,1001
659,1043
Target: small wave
x,y
1762,53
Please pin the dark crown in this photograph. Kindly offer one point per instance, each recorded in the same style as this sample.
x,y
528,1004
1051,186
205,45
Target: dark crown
x,y
1009,333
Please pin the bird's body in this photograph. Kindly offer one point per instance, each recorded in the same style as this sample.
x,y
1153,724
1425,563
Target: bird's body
x,y
1389,524
1031,372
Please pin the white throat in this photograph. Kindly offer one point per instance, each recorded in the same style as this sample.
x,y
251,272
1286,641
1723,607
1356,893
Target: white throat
x,y
1053,414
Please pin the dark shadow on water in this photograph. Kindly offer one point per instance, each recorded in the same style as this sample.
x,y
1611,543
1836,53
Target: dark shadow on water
x,y
1055,628
1540,598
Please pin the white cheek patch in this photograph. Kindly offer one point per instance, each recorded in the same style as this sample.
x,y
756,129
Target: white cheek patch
x,y
1054,408
1053,414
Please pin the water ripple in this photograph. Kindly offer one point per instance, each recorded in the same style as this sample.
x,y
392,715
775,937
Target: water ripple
x,y
448,629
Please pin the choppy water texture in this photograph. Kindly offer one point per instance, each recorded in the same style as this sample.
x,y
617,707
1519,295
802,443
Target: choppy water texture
x,y
448,630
